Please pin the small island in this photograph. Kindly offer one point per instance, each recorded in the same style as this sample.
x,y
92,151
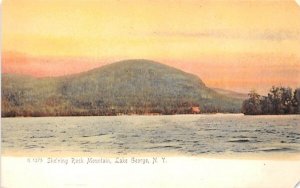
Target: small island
x,y
280,100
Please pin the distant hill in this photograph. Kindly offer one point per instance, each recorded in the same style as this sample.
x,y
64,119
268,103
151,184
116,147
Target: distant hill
x,y
233,94
125,87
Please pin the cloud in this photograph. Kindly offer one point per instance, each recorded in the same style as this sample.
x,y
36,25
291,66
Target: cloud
x,y
228,34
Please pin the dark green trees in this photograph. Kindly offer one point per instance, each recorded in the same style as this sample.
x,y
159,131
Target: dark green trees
x,y
280,100
252,105
296,101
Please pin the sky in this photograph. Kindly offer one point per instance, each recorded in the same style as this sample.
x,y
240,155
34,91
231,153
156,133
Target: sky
x,y
236,45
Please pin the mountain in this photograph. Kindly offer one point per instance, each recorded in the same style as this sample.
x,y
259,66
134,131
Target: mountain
x,y
233,94
125,87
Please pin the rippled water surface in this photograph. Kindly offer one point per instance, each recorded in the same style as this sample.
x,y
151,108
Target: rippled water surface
x,y
186,134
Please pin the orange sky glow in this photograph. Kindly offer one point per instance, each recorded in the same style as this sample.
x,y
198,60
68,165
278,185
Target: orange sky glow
x,y
236,45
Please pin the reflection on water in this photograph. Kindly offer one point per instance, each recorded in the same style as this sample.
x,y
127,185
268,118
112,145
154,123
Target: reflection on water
x,y
186,134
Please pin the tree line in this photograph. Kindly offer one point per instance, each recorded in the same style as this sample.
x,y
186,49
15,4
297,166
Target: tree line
x,y
280,100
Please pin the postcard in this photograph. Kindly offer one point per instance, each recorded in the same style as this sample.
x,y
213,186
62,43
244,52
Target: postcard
x,y
140,93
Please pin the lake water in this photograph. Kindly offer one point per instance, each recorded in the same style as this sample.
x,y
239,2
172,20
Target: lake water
x,y
183,134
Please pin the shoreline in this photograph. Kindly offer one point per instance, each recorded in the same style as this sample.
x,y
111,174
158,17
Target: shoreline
x,y
153,115
148,115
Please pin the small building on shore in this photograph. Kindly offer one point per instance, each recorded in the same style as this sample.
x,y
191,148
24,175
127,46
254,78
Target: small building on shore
x,y
195,110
